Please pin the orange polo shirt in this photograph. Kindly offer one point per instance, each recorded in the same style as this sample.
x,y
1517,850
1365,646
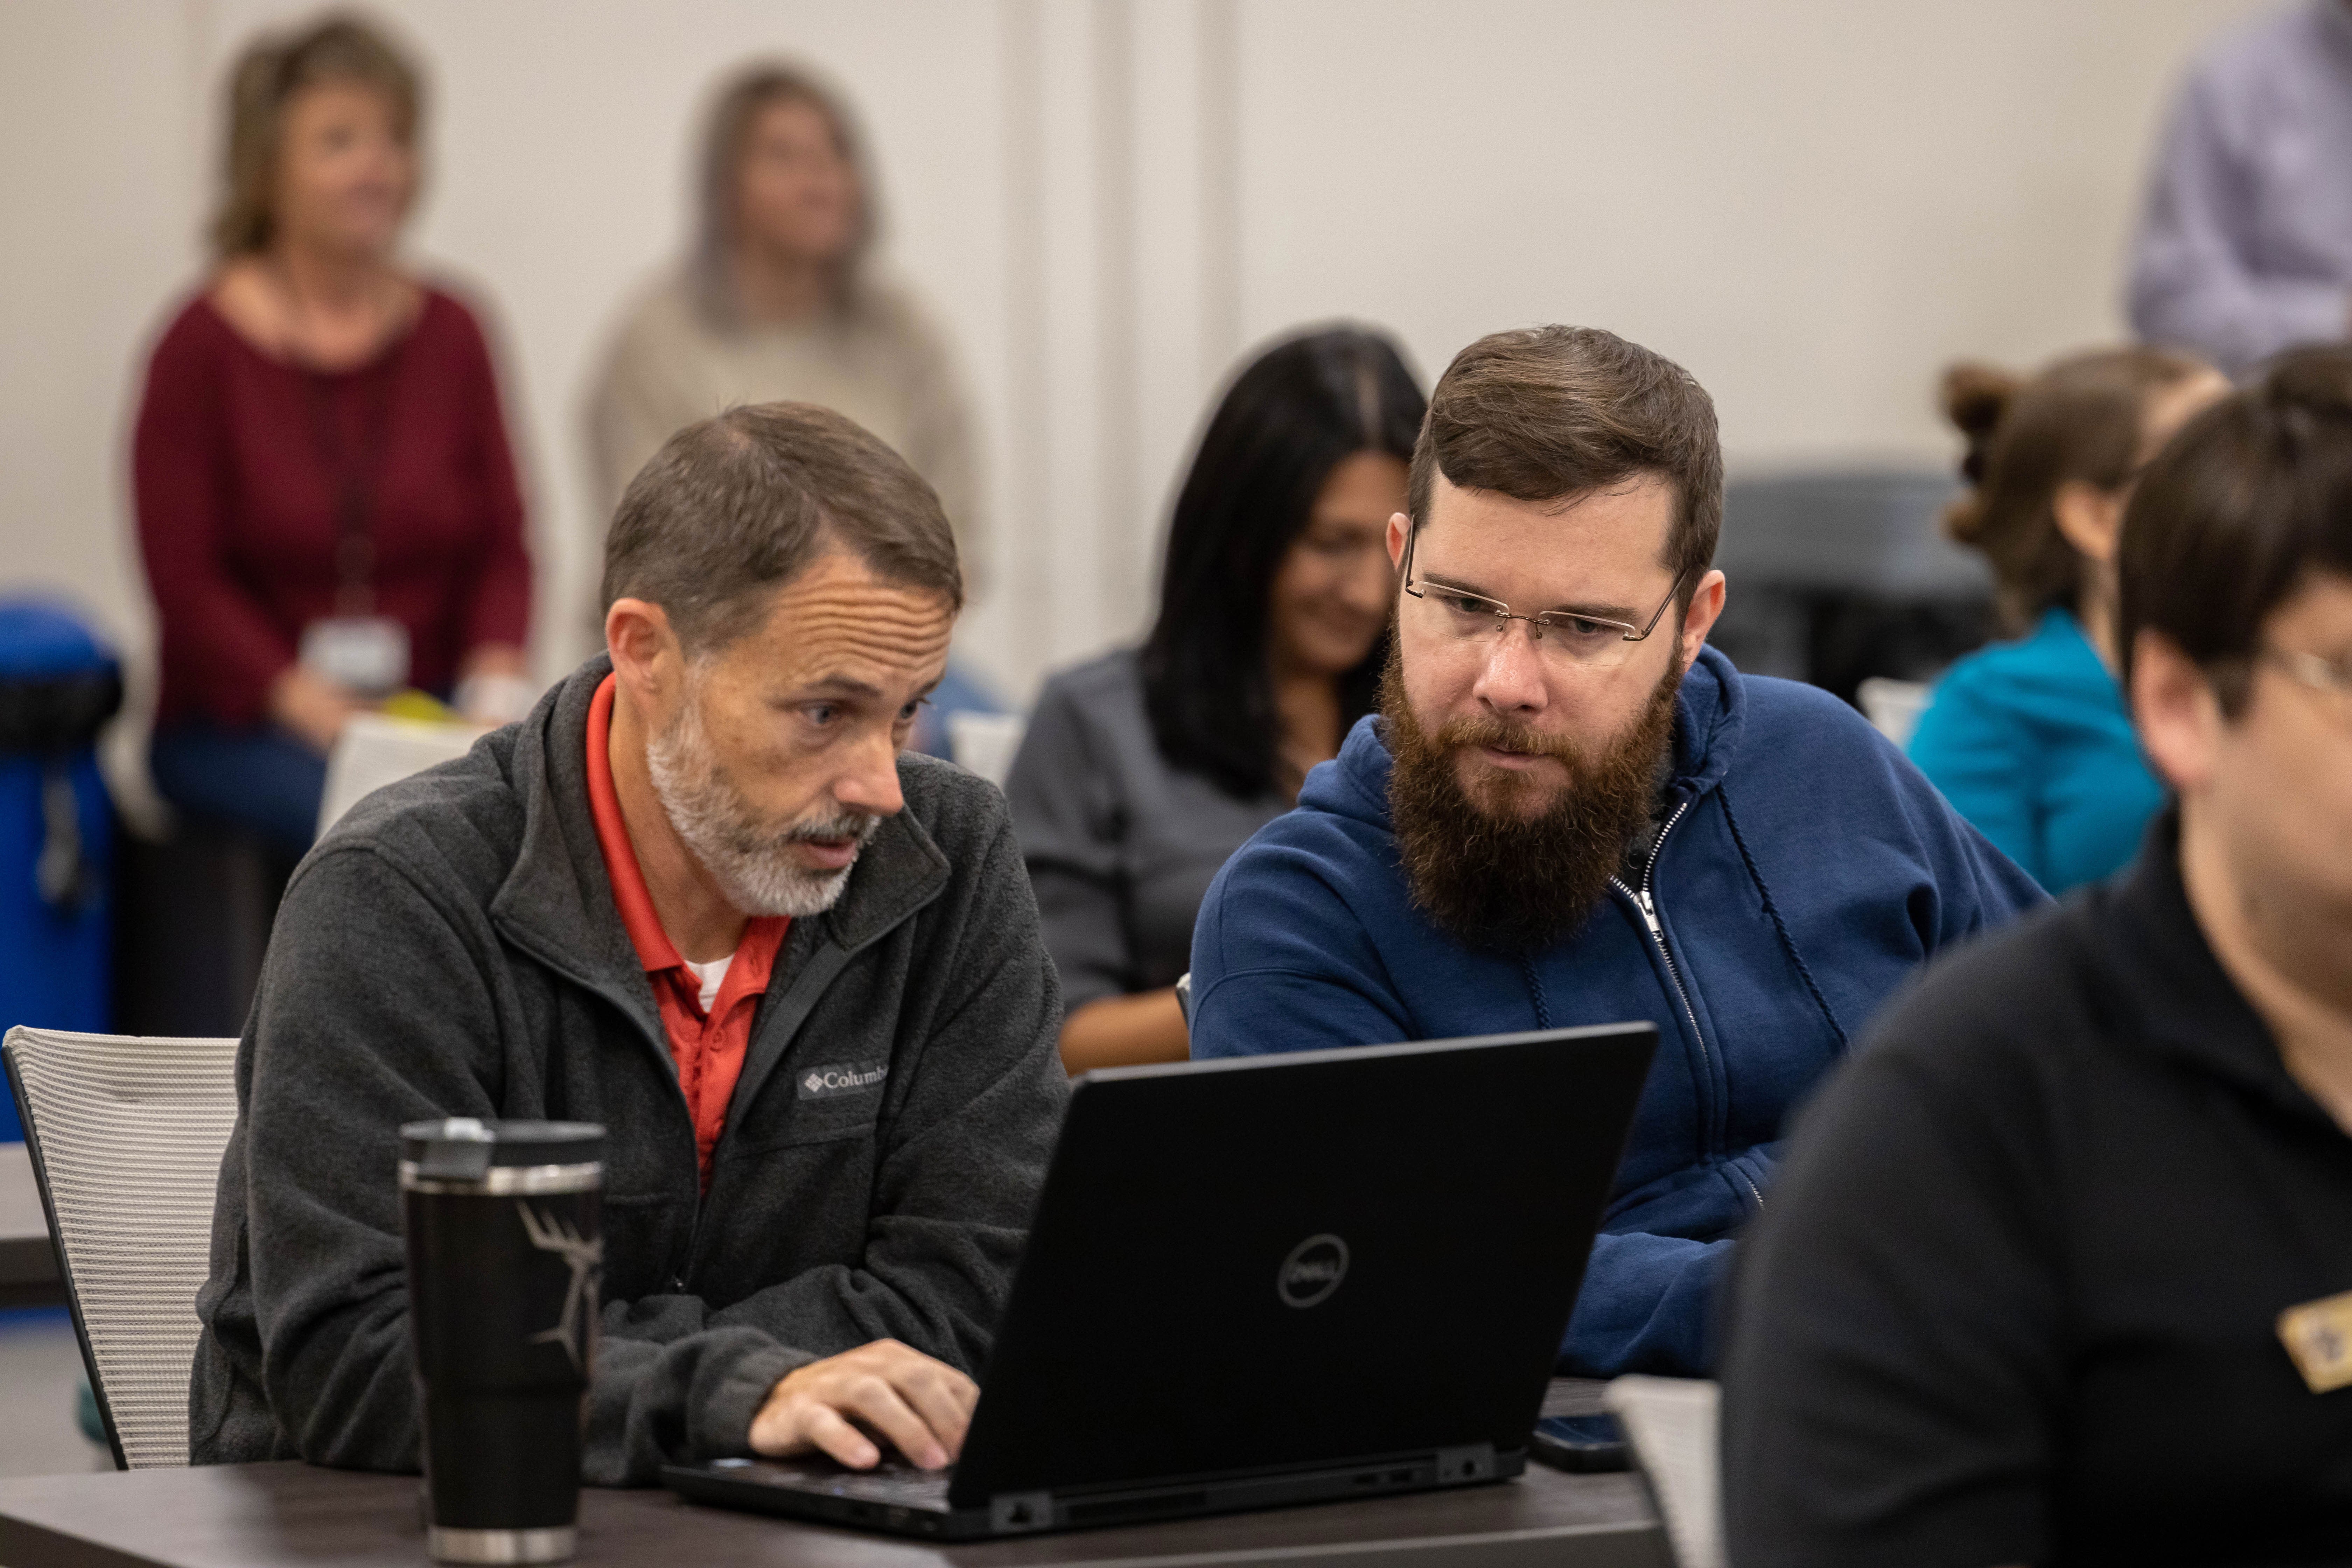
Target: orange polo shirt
x,y
708,1048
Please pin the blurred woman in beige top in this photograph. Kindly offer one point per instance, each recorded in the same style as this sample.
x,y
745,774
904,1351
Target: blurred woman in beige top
x,y
777,302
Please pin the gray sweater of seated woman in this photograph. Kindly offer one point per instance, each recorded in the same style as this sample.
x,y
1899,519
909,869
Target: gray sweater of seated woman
x,y
1121,846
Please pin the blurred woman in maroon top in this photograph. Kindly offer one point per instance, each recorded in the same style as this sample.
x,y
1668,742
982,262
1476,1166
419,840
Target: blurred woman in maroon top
x,y
327,504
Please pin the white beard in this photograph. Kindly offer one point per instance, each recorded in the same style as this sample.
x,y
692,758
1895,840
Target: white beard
x,y
750,860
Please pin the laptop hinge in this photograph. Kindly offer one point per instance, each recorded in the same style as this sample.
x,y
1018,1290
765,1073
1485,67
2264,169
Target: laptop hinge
x,y
1474,1463
1027,1510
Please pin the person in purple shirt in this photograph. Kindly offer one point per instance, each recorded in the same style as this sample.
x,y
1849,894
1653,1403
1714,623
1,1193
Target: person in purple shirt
x,y
2245,247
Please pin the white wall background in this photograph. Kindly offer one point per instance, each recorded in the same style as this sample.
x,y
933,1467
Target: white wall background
x,y
1812,204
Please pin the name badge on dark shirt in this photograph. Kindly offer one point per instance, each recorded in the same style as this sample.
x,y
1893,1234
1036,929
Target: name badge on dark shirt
x,y
842,1078
2318,1335
369,654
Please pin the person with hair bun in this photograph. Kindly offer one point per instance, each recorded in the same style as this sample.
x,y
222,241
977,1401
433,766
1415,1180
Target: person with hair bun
x,y
327,503
2029,739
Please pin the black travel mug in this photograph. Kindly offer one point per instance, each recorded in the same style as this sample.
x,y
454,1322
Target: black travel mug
x,y
506,1252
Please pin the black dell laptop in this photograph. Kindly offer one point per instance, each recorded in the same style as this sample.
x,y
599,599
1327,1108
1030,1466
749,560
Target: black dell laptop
x,y
1278,1280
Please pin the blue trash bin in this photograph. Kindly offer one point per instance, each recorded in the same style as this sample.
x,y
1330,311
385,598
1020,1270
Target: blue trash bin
x,y
58,686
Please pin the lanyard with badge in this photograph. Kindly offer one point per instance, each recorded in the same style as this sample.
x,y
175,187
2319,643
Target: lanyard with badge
x,y
358,649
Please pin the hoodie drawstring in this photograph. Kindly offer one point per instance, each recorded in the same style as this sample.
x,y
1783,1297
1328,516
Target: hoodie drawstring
x,y
1534,985
1772,912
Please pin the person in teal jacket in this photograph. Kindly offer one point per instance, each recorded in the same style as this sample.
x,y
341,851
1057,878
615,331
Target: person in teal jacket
x,y
2029,739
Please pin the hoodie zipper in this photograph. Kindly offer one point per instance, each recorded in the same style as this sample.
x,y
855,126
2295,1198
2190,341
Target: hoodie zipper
x,y
1644,901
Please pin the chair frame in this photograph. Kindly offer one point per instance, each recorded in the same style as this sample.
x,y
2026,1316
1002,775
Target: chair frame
x,y
153,1398
26,1118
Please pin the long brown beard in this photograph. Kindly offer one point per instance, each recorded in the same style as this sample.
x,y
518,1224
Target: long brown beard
x,y
1506,872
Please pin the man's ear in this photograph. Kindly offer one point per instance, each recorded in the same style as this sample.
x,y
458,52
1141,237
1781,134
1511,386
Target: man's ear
x,y
2089,519
1399,530
2176,711
646,656
1700,619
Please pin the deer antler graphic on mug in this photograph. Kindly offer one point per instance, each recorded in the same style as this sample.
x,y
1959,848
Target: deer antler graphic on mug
x,y
586,1259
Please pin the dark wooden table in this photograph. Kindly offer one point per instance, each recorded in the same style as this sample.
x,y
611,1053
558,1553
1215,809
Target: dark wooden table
x,y
28,1263
294,1515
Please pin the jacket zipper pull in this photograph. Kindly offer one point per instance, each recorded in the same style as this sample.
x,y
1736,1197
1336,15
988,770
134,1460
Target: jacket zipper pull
x,y
1650,914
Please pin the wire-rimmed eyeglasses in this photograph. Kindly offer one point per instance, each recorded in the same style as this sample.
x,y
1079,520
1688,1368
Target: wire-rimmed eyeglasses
x,y
1594,641
2328,676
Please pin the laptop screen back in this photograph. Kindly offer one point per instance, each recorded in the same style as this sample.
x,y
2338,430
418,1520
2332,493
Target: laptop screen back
x,y
1284,1261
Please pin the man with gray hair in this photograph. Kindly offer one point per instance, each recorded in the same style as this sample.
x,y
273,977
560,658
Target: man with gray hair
x,y
700,897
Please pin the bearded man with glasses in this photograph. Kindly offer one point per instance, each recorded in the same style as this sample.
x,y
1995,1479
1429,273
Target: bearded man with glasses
x,y
1569,810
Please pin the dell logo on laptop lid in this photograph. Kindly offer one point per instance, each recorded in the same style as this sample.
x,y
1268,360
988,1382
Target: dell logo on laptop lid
x,y
1312,1271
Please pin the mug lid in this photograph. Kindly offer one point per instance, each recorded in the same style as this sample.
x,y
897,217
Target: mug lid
x,y
463,1147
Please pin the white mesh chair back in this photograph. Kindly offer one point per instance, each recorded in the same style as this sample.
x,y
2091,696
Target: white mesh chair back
x,y
375,750
126,1135
1671,1424
986,744
1894,707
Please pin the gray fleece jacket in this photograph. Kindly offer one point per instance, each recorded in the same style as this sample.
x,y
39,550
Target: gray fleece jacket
x,y
452,949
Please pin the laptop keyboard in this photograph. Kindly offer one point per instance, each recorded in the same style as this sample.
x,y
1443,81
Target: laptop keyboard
x,y
901,1483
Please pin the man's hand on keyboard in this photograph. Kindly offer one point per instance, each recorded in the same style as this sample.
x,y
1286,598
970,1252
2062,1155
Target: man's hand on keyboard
x,y
920,1405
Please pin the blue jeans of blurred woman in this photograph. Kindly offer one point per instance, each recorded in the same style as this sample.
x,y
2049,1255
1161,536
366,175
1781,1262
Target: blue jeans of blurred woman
x,y
262,780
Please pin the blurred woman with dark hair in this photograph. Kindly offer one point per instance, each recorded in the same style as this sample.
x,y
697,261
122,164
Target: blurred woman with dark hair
x,y
1142,771
2029,740
327,502
778,301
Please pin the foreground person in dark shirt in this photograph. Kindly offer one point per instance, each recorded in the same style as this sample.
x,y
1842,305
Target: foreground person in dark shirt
x,y
2061,1268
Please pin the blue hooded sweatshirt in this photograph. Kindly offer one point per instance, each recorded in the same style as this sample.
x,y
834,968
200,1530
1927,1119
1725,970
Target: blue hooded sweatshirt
x,y
1804,872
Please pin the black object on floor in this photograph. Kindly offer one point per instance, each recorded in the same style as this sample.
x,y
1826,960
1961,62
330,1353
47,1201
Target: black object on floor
x,y
192,920
1836,577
